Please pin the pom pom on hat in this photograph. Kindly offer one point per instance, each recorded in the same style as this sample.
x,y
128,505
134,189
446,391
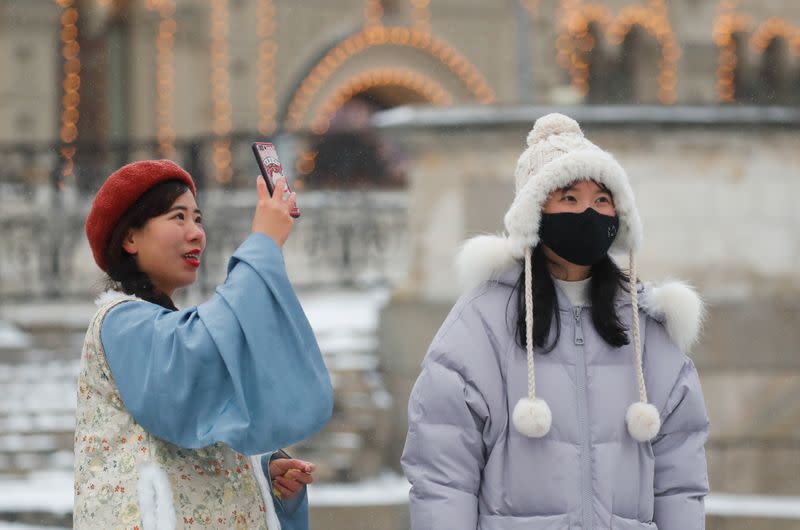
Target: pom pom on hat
x,y
551,124
532,417
120,190
643,421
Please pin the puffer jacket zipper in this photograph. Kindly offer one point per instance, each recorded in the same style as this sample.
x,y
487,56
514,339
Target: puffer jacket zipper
x,y
583,419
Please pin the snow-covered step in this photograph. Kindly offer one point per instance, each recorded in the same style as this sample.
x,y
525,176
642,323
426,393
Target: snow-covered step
x,y
44,372
23,463
49,421
34,443
37,415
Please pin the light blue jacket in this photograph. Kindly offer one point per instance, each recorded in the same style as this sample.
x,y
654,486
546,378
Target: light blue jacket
x,y
469,467
242,368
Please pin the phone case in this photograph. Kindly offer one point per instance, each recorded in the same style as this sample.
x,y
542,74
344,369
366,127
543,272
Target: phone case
x,y
271,168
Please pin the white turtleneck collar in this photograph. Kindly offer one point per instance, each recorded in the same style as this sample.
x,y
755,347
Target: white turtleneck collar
x,y
577,291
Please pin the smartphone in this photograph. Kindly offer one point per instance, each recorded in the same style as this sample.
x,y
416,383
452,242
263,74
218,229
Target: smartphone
x,y
271,169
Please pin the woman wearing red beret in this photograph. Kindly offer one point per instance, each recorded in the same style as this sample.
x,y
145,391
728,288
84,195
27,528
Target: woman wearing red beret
x,y
181,413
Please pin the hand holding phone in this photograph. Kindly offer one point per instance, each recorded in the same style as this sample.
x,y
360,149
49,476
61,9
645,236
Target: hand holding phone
x,y
272,216
271,169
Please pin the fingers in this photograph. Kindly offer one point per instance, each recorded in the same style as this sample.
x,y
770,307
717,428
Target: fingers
x,y
282,465
292,486
280,189
280,492
261,187
292,201
299,476
290,475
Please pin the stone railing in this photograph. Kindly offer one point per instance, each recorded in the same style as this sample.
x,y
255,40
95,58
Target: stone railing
x,y
342,238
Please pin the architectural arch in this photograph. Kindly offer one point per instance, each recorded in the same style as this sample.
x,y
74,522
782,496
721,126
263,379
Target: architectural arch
x,y
773,41
575,40
461,74
428,89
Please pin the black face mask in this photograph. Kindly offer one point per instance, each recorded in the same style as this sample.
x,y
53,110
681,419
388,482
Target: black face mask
x,y
580,238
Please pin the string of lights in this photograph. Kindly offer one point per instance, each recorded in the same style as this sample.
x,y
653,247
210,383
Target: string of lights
x,y
421,15
373,13
776,28
380,36
220,90
730,23
267,56
306,163
726,26
432,91
165,75
575,40
70,101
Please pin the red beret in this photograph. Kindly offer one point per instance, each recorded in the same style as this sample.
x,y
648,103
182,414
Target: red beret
x,y
120,190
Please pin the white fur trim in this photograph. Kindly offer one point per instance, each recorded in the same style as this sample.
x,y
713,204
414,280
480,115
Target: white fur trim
x,y
482,258
532,417
273,523
550,125
155,499
109,296
682,310
524,216
643,421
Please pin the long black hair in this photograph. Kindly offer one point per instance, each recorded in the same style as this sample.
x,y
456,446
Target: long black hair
x,y
607,279
123,272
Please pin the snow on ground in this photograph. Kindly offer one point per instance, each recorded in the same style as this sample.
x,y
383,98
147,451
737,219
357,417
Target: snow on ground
x,y
338,313
387,489
53,493
776,507
12,338
50,492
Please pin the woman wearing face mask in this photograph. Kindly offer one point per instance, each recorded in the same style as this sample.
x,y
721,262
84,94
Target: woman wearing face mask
x,y
174,406
608,431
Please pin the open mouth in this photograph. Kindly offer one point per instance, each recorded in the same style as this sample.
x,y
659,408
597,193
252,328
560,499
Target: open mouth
x,y
192,258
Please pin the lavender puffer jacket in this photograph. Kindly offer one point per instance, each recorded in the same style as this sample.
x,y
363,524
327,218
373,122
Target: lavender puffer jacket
x,y
471,470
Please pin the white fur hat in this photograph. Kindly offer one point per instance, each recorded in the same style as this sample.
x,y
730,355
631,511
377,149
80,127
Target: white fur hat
x,y
558,155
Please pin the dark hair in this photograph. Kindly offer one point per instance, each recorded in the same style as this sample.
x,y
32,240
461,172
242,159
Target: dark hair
x,y
607,278
123,273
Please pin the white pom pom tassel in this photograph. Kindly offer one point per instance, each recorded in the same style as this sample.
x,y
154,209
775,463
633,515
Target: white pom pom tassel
x,y
532,417
642,418
643,421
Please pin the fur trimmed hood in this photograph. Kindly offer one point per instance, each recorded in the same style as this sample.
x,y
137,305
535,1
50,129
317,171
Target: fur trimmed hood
x,y
675,303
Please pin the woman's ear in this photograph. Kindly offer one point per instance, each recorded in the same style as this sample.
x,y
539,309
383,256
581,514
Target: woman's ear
x,y
129,243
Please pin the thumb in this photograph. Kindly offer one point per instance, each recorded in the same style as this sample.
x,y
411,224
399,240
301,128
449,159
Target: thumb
x,y
261,187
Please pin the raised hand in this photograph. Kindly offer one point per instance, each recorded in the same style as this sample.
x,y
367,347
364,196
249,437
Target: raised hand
x,y
272,212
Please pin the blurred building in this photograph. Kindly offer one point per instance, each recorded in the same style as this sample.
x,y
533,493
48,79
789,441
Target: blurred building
x,y
105,71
